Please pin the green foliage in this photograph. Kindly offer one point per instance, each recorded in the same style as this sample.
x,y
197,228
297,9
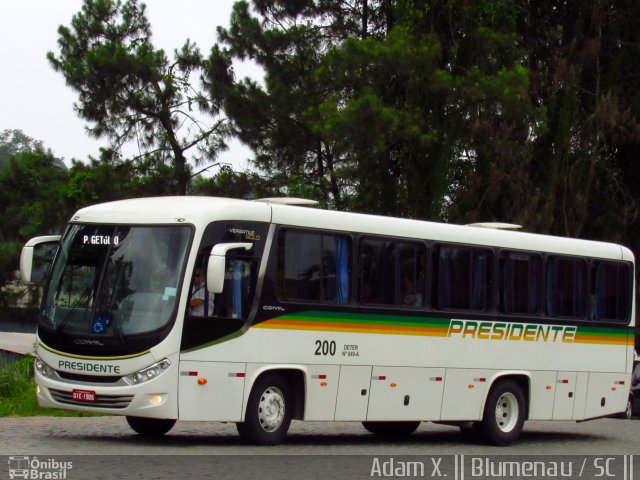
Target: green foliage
x,y
9,257
13,142
17,388
31,196
230,184
18,392
458,111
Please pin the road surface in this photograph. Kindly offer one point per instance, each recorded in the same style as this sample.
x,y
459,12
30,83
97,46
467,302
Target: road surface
x,y
105,447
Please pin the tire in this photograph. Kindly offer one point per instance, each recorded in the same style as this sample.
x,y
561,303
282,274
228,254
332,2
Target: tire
x,y
628,413
150,427
269,410
504,413
391,428
471,431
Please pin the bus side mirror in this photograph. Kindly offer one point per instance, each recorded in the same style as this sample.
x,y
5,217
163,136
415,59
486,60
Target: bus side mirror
x,y
36,257
217,264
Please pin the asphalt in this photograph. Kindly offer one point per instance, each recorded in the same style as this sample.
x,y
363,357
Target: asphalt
x,y
20,343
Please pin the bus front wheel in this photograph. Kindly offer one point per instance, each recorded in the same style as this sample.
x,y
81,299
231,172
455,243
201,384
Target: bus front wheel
x,y
269,409
150,427
504,413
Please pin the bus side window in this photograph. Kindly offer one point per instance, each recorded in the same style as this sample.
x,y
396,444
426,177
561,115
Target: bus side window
x,y
520,283
201,301
314,266
377,271
566,287
392,272
461,278
611,297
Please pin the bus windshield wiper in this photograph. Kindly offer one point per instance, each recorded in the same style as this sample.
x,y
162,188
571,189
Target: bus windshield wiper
x,y
81,298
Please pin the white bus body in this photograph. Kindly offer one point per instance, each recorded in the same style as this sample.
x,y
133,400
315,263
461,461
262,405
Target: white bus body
x,y
310,344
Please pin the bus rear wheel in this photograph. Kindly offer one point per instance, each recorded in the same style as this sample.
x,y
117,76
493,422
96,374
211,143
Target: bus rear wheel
x,y
150,427
269,409
391,428
504,413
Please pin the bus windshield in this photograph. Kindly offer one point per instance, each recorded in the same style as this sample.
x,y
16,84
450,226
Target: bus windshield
x,y
115,281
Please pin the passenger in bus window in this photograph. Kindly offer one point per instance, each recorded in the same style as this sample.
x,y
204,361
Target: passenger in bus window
x,y
199,296
408,291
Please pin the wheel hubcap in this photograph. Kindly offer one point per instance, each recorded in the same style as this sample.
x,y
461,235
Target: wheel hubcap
x,y
507,412
271,409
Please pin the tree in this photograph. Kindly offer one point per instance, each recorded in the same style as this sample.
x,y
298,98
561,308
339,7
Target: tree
x,y
32,203
228,183
279,121
130,91
579,62
13,142
32,198
374,103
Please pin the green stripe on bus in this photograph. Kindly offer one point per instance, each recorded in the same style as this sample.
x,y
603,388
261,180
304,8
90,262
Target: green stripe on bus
x,y
424,326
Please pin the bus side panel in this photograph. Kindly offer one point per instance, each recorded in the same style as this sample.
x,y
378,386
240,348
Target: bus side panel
x,y
405,393
565,388
321,392
353,393
607,394
542,395
211,391
464,393
582,385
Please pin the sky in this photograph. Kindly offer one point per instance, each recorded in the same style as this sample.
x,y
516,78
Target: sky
x,y
35,99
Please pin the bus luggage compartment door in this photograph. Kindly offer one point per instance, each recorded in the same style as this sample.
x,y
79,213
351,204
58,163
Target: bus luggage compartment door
x,y
405,393
211,391
566,386
607,394
353,393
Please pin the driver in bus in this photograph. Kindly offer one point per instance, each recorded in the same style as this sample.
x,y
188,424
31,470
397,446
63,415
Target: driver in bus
x,y
199,295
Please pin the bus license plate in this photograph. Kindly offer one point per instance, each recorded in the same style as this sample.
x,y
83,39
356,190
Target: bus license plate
x,y
86,396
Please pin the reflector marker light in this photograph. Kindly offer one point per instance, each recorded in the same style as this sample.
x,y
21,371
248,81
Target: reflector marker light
x,y
619,382
481,379
435,379
321,376
380,377
563,381
393,385
237,374
188,374
202,381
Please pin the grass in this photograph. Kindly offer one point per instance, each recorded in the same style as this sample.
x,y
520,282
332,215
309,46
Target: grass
x,y
18,392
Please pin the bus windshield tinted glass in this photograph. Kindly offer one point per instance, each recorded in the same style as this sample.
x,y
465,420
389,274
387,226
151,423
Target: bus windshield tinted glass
x,y
115,280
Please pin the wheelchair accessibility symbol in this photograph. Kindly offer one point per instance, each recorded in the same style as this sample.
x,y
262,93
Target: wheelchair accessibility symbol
x,y
100,325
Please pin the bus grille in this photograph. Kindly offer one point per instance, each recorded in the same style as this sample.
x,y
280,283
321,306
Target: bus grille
x,y
87,378
102,401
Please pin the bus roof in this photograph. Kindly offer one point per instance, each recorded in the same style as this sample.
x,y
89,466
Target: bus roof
x,y
200,211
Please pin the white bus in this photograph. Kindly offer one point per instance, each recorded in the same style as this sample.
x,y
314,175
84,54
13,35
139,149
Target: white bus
x,y
329,316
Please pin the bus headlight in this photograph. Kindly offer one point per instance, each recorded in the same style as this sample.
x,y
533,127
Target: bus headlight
x,y
42,368
148,373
